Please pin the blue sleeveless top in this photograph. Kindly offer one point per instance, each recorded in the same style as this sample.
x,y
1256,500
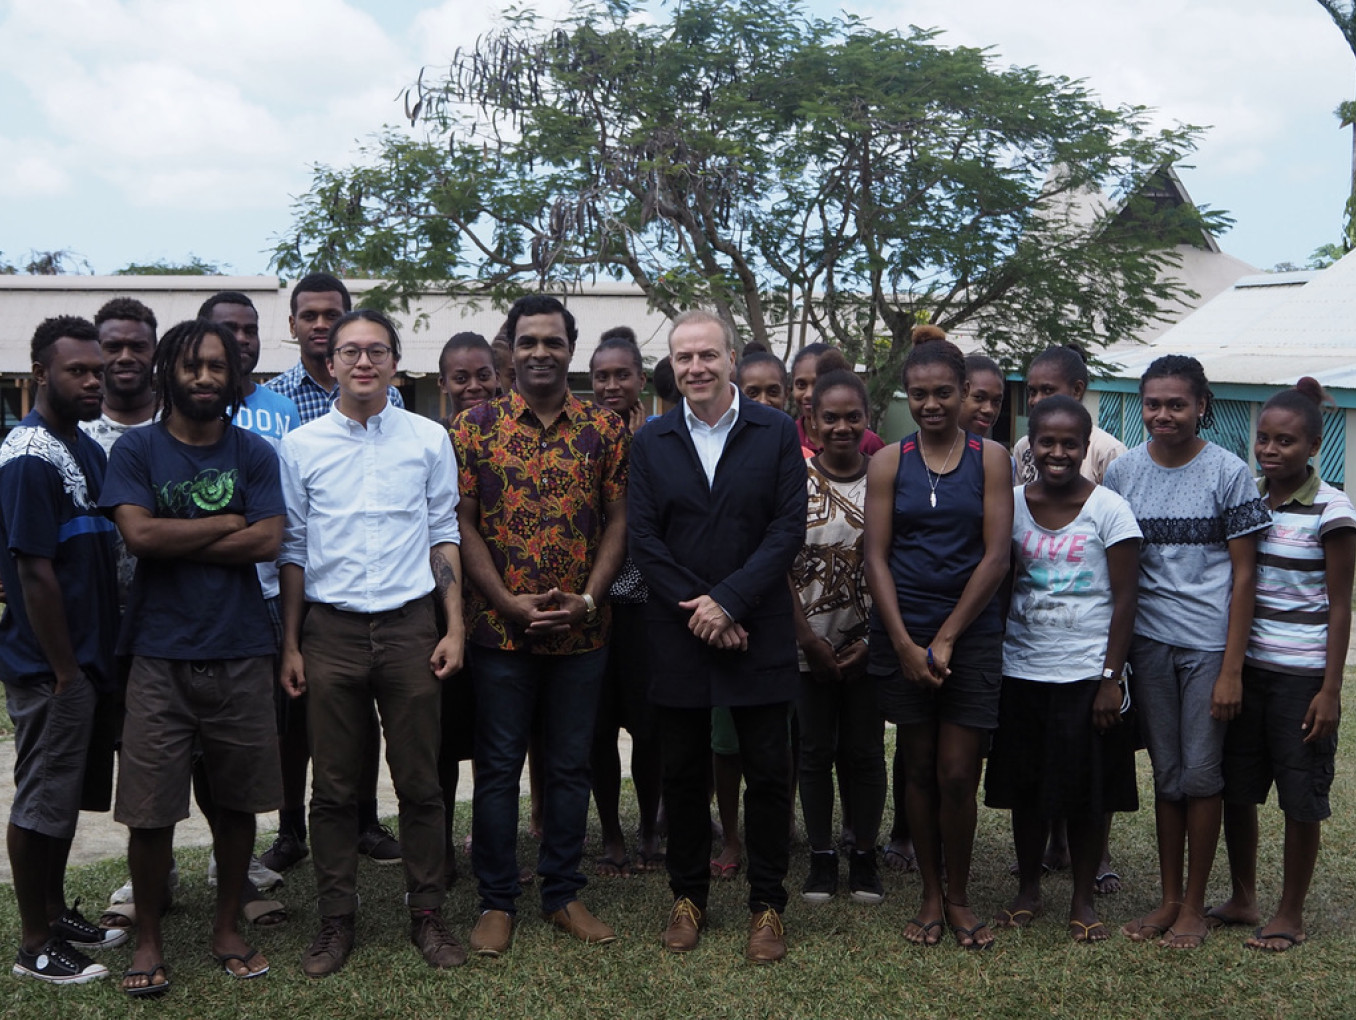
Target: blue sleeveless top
x,y
934,550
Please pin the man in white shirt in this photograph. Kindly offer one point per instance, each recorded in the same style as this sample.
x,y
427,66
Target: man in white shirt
x,y
316,303
371,495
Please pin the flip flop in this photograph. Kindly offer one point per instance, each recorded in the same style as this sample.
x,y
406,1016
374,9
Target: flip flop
x,y
1014,918
1170,936
724,872
897,860
657,861
1290,938
226,959
1086,934
147,990
925,928
1140,926
1105,876
1215,919
969,933
609,867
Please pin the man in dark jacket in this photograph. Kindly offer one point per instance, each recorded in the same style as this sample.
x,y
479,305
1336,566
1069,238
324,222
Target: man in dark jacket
x,y
716,513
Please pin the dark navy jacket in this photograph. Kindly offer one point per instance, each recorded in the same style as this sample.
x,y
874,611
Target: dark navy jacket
x,y
733,540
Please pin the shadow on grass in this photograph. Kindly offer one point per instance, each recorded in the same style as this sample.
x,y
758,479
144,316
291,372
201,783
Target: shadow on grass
x,y
846,959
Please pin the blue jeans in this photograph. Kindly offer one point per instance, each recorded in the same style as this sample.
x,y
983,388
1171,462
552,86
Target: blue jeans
x,y
511,687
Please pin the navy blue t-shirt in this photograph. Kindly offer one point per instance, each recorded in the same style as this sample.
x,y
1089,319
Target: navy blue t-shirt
x,y
49,492
181,608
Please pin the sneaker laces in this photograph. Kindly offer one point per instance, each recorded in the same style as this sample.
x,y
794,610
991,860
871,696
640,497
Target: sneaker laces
x,y
65,954
72,918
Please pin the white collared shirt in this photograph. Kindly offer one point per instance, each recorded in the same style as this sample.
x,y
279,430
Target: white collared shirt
x,y
710,439
365,505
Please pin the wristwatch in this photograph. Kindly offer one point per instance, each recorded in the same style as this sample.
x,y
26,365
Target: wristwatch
x,y
590,608
1110,674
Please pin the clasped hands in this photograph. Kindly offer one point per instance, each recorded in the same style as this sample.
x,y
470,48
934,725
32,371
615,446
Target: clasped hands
x,y
713,625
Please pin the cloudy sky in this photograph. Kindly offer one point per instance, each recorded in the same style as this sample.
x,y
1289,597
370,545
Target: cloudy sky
x,y
137,130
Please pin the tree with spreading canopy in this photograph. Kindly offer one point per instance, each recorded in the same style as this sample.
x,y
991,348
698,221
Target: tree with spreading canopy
x,y
803,177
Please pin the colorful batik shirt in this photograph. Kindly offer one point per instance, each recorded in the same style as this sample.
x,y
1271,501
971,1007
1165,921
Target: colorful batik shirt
x,y
542,492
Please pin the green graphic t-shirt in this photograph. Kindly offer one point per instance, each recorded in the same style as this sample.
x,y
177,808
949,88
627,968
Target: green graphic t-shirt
x,y
181,608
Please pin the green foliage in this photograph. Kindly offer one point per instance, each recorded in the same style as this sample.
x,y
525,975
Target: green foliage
x,y
195,266
1343,15
799,176
46,263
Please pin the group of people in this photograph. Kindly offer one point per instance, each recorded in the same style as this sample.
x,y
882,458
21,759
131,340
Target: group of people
x,y
269,575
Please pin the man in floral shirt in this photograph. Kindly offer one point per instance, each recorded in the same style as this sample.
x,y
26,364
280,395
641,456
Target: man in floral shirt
x,y
543,524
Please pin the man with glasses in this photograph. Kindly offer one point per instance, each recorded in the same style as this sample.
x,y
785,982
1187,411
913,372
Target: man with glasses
x,y
371,493
317,302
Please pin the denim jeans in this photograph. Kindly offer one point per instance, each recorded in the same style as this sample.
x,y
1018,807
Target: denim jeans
x,y
509,688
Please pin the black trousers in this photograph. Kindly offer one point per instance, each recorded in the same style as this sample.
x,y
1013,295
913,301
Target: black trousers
x,y
765,752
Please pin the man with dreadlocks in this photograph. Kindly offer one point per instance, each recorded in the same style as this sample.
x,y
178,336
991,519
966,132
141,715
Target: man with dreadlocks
x,y
198,503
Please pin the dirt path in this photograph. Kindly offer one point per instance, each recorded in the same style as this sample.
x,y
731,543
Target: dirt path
x,y
99,837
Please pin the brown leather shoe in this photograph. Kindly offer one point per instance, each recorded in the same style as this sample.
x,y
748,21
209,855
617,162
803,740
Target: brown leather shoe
x,y
575,918
440,948
685,927
329,952
492,933
767,937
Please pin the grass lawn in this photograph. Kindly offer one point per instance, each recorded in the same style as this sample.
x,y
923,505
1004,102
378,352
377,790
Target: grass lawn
x,y
846,960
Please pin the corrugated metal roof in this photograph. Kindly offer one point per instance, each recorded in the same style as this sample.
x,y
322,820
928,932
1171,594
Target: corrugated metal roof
x,y
1267,330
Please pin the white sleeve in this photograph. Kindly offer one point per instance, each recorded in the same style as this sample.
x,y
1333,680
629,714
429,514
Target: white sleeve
x,y
443,495
297,502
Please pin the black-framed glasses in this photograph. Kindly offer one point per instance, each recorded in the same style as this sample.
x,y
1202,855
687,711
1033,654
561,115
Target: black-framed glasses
x,y
350,353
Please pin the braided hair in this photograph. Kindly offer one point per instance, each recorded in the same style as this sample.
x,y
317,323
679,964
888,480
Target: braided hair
x,y
1188,369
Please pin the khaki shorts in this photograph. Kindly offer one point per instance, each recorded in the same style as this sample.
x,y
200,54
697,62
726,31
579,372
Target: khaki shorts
x,y
226,705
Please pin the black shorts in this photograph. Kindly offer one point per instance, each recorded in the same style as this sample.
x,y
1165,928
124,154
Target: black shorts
x,y
969,696
1265,744
624,702
1048,757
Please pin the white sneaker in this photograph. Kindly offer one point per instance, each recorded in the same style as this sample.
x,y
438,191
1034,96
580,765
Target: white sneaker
x,y
261,877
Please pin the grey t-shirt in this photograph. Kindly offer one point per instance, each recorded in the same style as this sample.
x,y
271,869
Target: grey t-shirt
x,y
1188,515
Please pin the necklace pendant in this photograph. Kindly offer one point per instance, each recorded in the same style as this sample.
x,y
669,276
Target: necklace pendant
x,y
932,498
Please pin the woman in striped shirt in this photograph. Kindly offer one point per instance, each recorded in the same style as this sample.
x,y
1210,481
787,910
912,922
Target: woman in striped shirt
x,y
1286,732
